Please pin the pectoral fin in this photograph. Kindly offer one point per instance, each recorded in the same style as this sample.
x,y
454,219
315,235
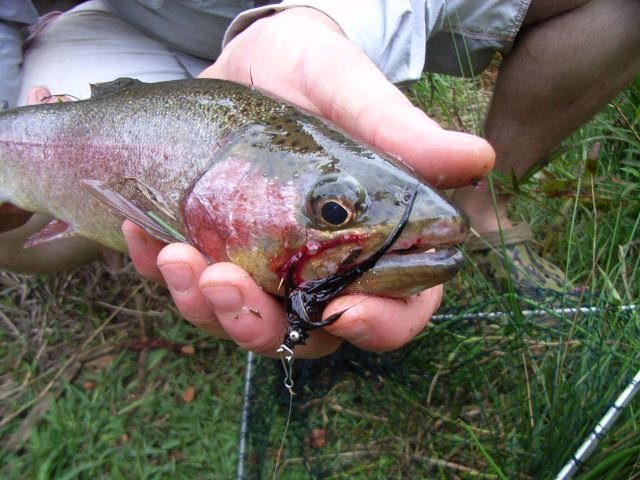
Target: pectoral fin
x,y
114,260
149,221
54,230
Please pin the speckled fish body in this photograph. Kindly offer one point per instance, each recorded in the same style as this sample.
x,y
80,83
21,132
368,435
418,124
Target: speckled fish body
x,y
242,176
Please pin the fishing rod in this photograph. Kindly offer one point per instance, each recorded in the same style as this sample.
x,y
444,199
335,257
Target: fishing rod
x,y
244,417
609,419
528,313
606,422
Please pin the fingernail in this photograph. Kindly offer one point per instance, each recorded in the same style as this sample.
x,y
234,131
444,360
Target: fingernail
x,y
224,299
178,276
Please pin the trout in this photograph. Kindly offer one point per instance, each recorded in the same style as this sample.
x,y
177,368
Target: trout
x,y
241,176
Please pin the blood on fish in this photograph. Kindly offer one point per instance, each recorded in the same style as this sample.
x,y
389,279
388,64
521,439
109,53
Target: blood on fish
x,y
312,249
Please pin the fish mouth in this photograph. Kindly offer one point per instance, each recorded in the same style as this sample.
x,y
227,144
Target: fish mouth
x,y
442,249
446,257
416,254
402,272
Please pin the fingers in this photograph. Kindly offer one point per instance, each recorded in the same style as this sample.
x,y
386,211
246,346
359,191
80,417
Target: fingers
x,y
382,324
383,117
143,251
225,301
37,95
252,318
40,95
182,267
221,299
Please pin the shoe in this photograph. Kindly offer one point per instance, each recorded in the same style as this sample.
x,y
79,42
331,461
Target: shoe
x,y
529,273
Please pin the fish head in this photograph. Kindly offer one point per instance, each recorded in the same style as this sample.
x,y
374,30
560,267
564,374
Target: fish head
x,y
351,207
331,203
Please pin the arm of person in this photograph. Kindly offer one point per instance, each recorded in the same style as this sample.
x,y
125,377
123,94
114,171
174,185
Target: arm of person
x,y
302,56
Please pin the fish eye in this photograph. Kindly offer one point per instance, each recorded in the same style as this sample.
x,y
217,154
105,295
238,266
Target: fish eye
x,y
336,200
335,213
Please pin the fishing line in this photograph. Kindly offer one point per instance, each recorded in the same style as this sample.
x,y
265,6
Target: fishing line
x,y
286,357
284,436
58,97
244,419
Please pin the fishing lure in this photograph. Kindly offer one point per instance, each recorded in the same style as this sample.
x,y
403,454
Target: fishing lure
x,y
305,302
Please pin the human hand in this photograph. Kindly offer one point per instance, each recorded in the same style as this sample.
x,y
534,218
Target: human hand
x,y
301,56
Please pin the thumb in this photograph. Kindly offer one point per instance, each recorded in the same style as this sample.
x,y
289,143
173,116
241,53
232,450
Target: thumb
x,y
349,90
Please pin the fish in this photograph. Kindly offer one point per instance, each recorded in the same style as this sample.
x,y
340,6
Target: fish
x,y
241,175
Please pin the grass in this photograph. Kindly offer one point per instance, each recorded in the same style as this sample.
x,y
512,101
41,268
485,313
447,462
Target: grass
x,y
96,369
135,392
